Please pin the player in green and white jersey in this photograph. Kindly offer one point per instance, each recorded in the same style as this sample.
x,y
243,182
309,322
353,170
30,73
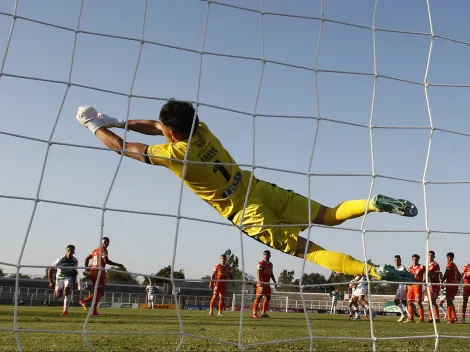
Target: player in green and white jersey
x,y
65,270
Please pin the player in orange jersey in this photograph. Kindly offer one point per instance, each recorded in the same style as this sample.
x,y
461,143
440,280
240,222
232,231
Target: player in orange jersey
x,y
94,272
263,288
466,290
259,208
435,278
222,271
415,292
451,276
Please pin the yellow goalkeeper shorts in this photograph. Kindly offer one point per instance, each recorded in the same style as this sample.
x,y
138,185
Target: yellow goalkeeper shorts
x,y
271,205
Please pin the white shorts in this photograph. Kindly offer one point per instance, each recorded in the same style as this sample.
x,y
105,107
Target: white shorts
x,y
150,298
60,284
401,294
360,292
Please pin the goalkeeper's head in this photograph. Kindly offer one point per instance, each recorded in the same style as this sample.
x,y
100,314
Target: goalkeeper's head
x,y
177,119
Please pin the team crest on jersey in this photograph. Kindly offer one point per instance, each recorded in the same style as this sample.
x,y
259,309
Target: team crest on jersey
x,y
200,143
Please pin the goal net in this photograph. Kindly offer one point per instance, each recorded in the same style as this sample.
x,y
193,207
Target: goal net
x,y
334,100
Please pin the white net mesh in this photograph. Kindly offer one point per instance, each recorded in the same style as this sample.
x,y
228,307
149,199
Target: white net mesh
x,y
332,100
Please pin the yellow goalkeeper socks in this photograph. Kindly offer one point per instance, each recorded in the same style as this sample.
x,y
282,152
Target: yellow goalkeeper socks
x,y
338,262
349,209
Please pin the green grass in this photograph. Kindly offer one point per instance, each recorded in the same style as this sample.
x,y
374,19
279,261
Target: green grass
x,y
200,329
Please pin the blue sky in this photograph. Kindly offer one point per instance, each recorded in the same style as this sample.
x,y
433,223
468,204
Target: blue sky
x,y
144,243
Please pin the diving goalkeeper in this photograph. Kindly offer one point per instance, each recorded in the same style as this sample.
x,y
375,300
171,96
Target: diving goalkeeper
x,y
224,187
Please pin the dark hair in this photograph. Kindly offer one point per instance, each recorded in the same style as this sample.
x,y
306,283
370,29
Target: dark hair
x,y
267,252
223,255
398,256
106,239
70,247
415,256
432,252
450,254
179,116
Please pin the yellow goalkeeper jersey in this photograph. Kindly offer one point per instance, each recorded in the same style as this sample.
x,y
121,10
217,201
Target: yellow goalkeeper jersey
x,y
222,186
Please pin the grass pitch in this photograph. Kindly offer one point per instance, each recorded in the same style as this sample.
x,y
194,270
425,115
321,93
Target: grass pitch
x,y
202,332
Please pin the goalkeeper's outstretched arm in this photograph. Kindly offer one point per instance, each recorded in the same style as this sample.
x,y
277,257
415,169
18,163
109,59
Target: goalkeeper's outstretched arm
x,y
98,124
148,127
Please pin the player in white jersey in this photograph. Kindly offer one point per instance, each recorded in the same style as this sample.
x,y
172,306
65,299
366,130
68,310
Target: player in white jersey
x,y
400,295
151,290
352,302
65,270
360,294
334,300
440,302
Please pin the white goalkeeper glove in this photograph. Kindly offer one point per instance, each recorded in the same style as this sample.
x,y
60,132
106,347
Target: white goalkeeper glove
x,y
111,121
91,119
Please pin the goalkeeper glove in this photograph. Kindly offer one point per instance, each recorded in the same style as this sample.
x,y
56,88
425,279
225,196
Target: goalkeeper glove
x,y
89,117
109,121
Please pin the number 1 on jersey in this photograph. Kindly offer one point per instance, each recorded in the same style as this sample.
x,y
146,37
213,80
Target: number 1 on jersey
x,y
222,169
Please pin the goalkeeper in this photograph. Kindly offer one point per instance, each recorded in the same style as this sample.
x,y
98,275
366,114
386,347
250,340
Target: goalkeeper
x,y
225,186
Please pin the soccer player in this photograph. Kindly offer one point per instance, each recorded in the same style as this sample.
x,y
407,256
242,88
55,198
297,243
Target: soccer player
x,y
353,305
415,292
66,276
224,185
334,300
222,271
441,300
263,288
150,290
360,294
466,290
451,276
400,295
93,273
435,277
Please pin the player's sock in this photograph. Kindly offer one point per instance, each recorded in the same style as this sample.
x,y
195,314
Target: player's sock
x,y
454,315
265,306
211,303
410,312
421,313
449,313
464,309
349,209
436,312
66,302
89,298
255,304
443,310
338,262
99,295
221,304
400,308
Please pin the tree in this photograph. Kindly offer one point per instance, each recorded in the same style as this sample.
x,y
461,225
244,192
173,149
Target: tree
x,y
313,279
2,274
287,278
21,276
120,277
337,277
233,262
206,278
166,272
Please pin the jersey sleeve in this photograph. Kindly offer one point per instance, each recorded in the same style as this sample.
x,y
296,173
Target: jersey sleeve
x,y
260,266
56,262
159,154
